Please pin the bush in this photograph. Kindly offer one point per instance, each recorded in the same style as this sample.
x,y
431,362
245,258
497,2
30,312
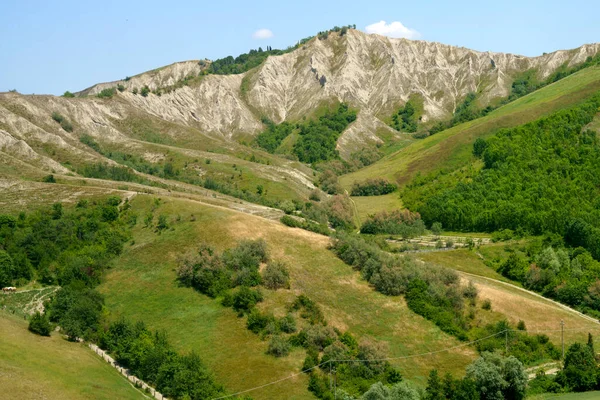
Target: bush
x,y
314,196
257,321
328,181
309,310
486,305
398,222
245,299
287,324
145,91
276,276
340,213
106,93
49,179
40,324
68,94
372,187
290,221
278,346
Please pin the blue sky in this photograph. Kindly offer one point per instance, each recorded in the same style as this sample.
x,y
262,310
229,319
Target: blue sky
x,y
70,45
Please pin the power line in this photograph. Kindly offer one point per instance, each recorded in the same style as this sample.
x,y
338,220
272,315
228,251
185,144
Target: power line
x,y
372,360
504,332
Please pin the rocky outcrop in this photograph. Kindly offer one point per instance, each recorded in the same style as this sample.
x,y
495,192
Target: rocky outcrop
x,y
373,73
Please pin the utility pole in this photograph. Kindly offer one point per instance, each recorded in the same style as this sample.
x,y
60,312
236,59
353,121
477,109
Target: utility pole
x,y
335,383
562,337
330,382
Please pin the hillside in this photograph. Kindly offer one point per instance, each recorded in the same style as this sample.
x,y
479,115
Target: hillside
x,y
452,148
36,367
148,199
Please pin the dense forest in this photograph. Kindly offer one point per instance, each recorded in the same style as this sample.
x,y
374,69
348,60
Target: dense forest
x,y
58,245
540,177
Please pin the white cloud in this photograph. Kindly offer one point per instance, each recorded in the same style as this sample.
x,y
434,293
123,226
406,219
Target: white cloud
x,y
262,34
393,29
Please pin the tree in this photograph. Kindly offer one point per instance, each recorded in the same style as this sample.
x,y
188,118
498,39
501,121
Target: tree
x,y
486,372
7,269
399,391
40,324
516,378
436,228
580,372
435,389
497,377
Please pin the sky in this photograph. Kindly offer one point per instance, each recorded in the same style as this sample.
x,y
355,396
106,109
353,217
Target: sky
x,y
47,47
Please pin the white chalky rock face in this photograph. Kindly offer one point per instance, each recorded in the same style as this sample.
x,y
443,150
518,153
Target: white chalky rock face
x,y
373,73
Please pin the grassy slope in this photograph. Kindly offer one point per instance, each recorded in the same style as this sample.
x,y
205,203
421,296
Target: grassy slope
x,y
367,205
538,314
35,367
144,287
452,148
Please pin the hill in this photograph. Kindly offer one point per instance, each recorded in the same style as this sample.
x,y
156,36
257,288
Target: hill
x,y
36,367
178,145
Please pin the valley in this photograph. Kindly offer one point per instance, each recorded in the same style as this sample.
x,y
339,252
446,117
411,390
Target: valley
x,y
134,199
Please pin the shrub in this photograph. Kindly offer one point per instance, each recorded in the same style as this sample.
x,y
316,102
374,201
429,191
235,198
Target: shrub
x,y
49,179
319,336
120,88
287,324
68,94
106,93
40,324
278,346
436,228
145,91
245,299
314,196
398,222
486,304
340,212
257,321
309,310
290,221
328,181
372,187
276,276
57,117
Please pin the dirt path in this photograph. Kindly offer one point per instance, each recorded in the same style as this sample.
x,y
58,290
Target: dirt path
x,y
554,368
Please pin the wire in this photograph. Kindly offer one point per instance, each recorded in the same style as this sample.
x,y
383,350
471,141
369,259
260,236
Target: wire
x,y
396,358
372,360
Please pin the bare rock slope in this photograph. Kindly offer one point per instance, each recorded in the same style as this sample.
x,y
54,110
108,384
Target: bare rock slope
x,y
374,74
